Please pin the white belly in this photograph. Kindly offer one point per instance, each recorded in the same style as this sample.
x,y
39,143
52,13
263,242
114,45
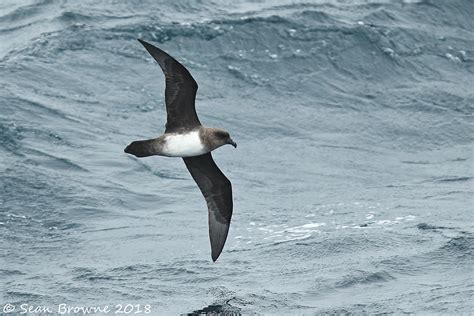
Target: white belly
x,y
183,145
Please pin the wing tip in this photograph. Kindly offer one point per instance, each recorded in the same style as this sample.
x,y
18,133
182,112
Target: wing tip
x,y
216,253
144,43
216,250
218,236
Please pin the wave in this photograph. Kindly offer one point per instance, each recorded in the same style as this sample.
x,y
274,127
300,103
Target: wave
x,y
333,102
365,277
458,247
453,179
10,136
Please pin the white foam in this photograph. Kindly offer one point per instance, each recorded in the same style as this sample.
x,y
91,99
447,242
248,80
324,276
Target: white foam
x,y
287,238
453,58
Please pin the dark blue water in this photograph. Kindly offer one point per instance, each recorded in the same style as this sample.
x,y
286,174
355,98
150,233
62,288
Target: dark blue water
x,y
353,179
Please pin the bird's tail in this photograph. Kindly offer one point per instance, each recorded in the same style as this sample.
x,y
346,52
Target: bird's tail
x,y
142,148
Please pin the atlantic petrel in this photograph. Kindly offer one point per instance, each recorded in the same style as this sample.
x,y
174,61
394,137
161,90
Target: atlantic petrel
x,y
185,137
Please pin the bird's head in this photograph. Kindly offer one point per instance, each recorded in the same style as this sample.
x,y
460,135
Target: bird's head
x,y
221,138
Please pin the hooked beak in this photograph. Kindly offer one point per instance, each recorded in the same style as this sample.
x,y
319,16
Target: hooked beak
x,y
231,142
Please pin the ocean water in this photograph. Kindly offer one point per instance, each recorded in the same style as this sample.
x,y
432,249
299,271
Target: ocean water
x,y
353,178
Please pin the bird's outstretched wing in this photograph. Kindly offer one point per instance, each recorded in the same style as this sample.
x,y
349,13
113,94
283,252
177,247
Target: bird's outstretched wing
x,y
217,191
180,92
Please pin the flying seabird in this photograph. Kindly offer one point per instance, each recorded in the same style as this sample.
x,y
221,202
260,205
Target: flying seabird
x,y
185,137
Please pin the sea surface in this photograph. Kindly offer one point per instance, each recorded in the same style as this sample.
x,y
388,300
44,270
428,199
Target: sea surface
x,y
353,178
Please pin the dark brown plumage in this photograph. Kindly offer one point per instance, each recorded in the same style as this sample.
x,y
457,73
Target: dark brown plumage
x,y
182,122
217,191
180,92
